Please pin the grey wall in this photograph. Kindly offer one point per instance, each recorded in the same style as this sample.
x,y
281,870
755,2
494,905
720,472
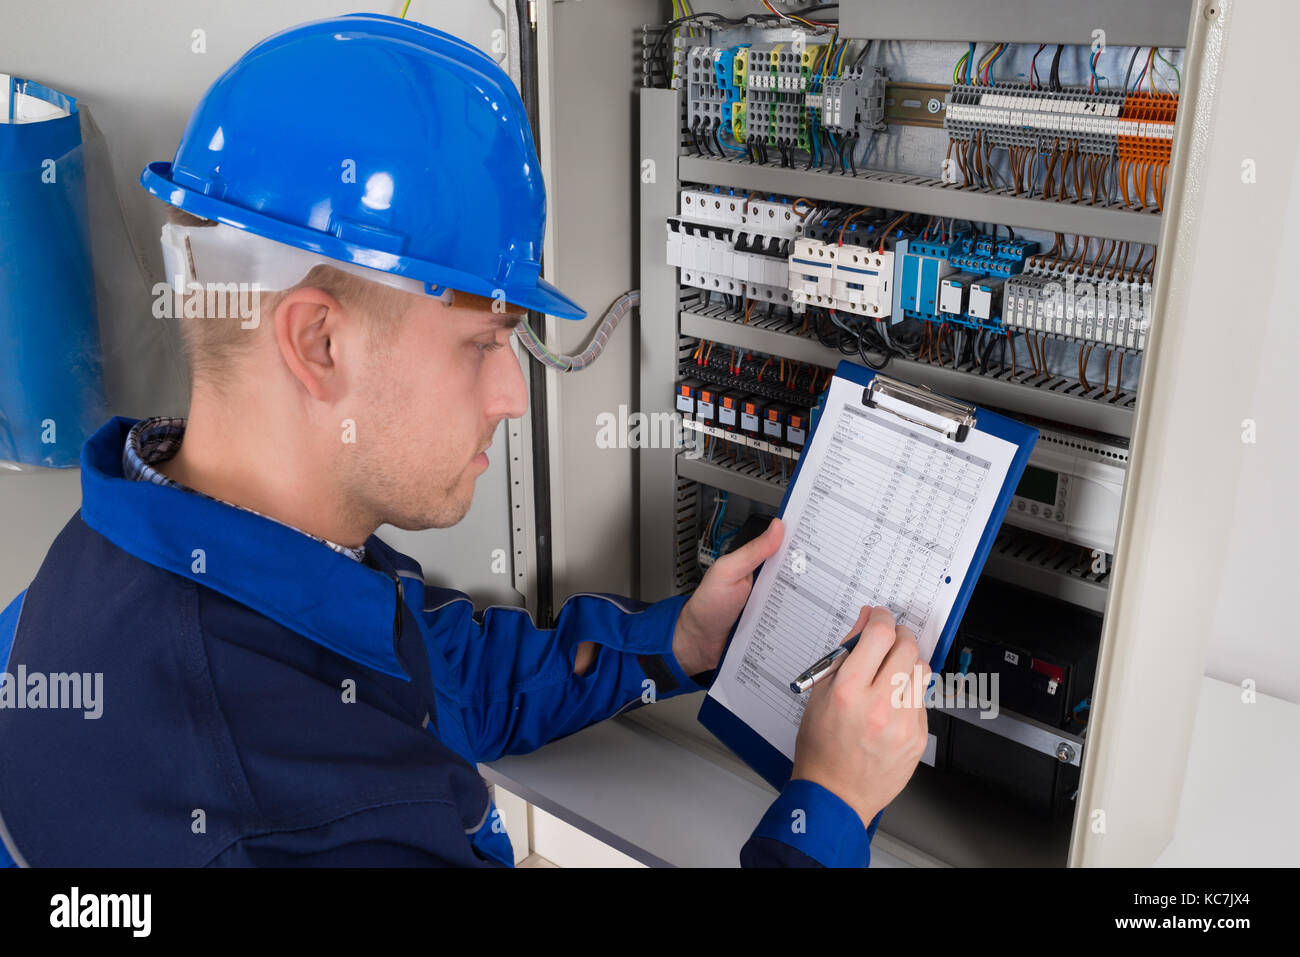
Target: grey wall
x,y
133,67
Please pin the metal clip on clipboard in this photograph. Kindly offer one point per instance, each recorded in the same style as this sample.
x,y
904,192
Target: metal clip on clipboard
x,y
918,405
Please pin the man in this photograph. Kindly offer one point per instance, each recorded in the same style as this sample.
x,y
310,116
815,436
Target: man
x,y
279,686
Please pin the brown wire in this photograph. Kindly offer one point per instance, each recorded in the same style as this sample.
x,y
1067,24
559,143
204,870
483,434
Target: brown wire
x,y
1119,260
1049,173
1096,259
1065,171
1083,254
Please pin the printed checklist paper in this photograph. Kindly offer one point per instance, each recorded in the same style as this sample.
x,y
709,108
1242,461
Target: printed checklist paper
x,y
883,512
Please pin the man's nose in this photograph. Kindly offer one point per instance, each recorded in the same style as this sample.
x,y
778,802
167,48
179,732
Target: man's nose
x,y
509,391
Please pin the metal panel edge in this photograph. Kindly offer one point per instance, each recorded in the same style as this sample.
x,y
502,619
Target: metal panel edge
x,y
982,390
657,331
1152,655
919,194
1144,23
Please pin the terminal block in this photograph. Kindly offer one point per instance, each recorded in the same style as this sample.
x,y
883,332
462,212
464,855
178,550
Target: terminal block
x,y
1016,115
1146,138
851,102
776,79
1082,306
704,97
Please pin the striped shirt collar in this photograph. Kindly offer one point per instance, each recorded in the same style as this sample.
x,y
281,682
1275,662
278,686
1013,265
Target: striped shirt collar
x,y
156,440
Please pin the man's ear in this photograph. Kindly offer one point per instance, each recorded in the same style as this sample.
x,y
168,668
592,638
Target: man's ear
x,y
307,324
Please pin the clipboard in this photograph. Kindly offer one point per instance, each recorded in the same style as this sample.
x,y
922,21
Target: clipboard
x,y
922,408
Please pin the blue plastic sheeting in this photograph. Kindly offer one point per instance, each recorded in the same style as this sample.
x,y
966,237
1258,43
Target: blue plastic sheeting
x,y
51,375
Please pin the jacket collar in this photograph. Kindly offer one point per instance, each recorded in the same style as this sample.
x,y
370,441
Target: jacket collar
x,y
282,573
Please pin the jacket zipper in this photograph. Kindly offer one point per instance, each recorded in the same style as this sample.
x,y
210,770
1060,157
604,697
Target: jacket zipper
x,y
397,614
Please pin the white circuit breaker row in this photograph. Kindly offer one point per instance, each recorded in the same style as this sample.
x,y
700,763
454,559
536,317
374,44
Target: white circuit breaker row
x,y
753,248
845,278
726,243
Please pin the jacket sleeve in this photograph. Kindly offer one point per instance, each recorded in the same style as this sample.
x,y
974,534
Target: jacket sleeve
x,y
809,826
516,683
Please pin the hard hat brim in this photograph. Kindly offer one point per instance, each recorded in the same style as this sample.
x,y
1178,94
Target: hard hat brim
x,y
549,300
156,178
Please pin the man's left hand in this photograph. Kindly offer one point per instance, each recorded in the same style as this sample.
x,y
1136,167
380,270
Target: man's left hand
x,y
706,618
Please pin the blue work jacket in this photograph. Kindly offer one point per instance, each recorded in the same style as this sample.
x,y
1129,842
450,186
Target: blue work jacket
x,y
268,701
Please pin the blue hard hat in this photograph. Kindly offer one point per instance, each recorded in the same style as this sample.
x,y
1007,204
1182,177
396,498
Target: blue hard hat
x,y
376,141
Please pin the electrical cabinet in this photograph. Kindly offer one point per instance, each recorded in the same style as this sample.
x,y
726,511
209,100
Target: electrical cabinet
x,y
1145,479
1126,516
720,184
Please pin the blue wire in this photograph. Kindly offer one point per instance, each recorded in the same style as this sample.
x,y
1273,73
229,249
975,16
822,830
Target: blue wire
x,y
717,134
717,522
970,58
1140,76
839,151
996,59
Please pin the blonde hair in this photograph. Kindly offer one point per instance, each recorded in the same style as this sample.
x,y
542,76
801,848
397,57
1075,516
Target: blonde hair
x,y
213,343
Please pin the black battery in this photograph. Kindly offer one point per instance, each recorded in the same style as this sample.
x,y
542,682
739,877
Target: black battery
x,y
1044,654
1044,670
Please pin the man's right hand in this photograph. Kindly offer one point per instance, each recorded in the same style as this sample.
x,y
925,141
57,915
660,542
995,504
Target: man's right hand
x,y
855,739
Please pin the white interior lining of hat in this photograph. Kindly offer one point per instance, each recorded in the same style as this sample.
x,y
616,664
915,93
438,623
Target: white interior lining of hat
x,y
223,254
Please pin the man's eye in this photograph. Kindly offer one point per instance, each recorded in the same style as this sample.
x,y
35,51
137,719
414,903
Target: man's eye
x,y
490,346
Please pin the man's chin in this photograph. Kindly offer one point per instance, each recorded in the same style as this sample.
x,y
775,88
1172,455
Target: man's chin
x,y
450,512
